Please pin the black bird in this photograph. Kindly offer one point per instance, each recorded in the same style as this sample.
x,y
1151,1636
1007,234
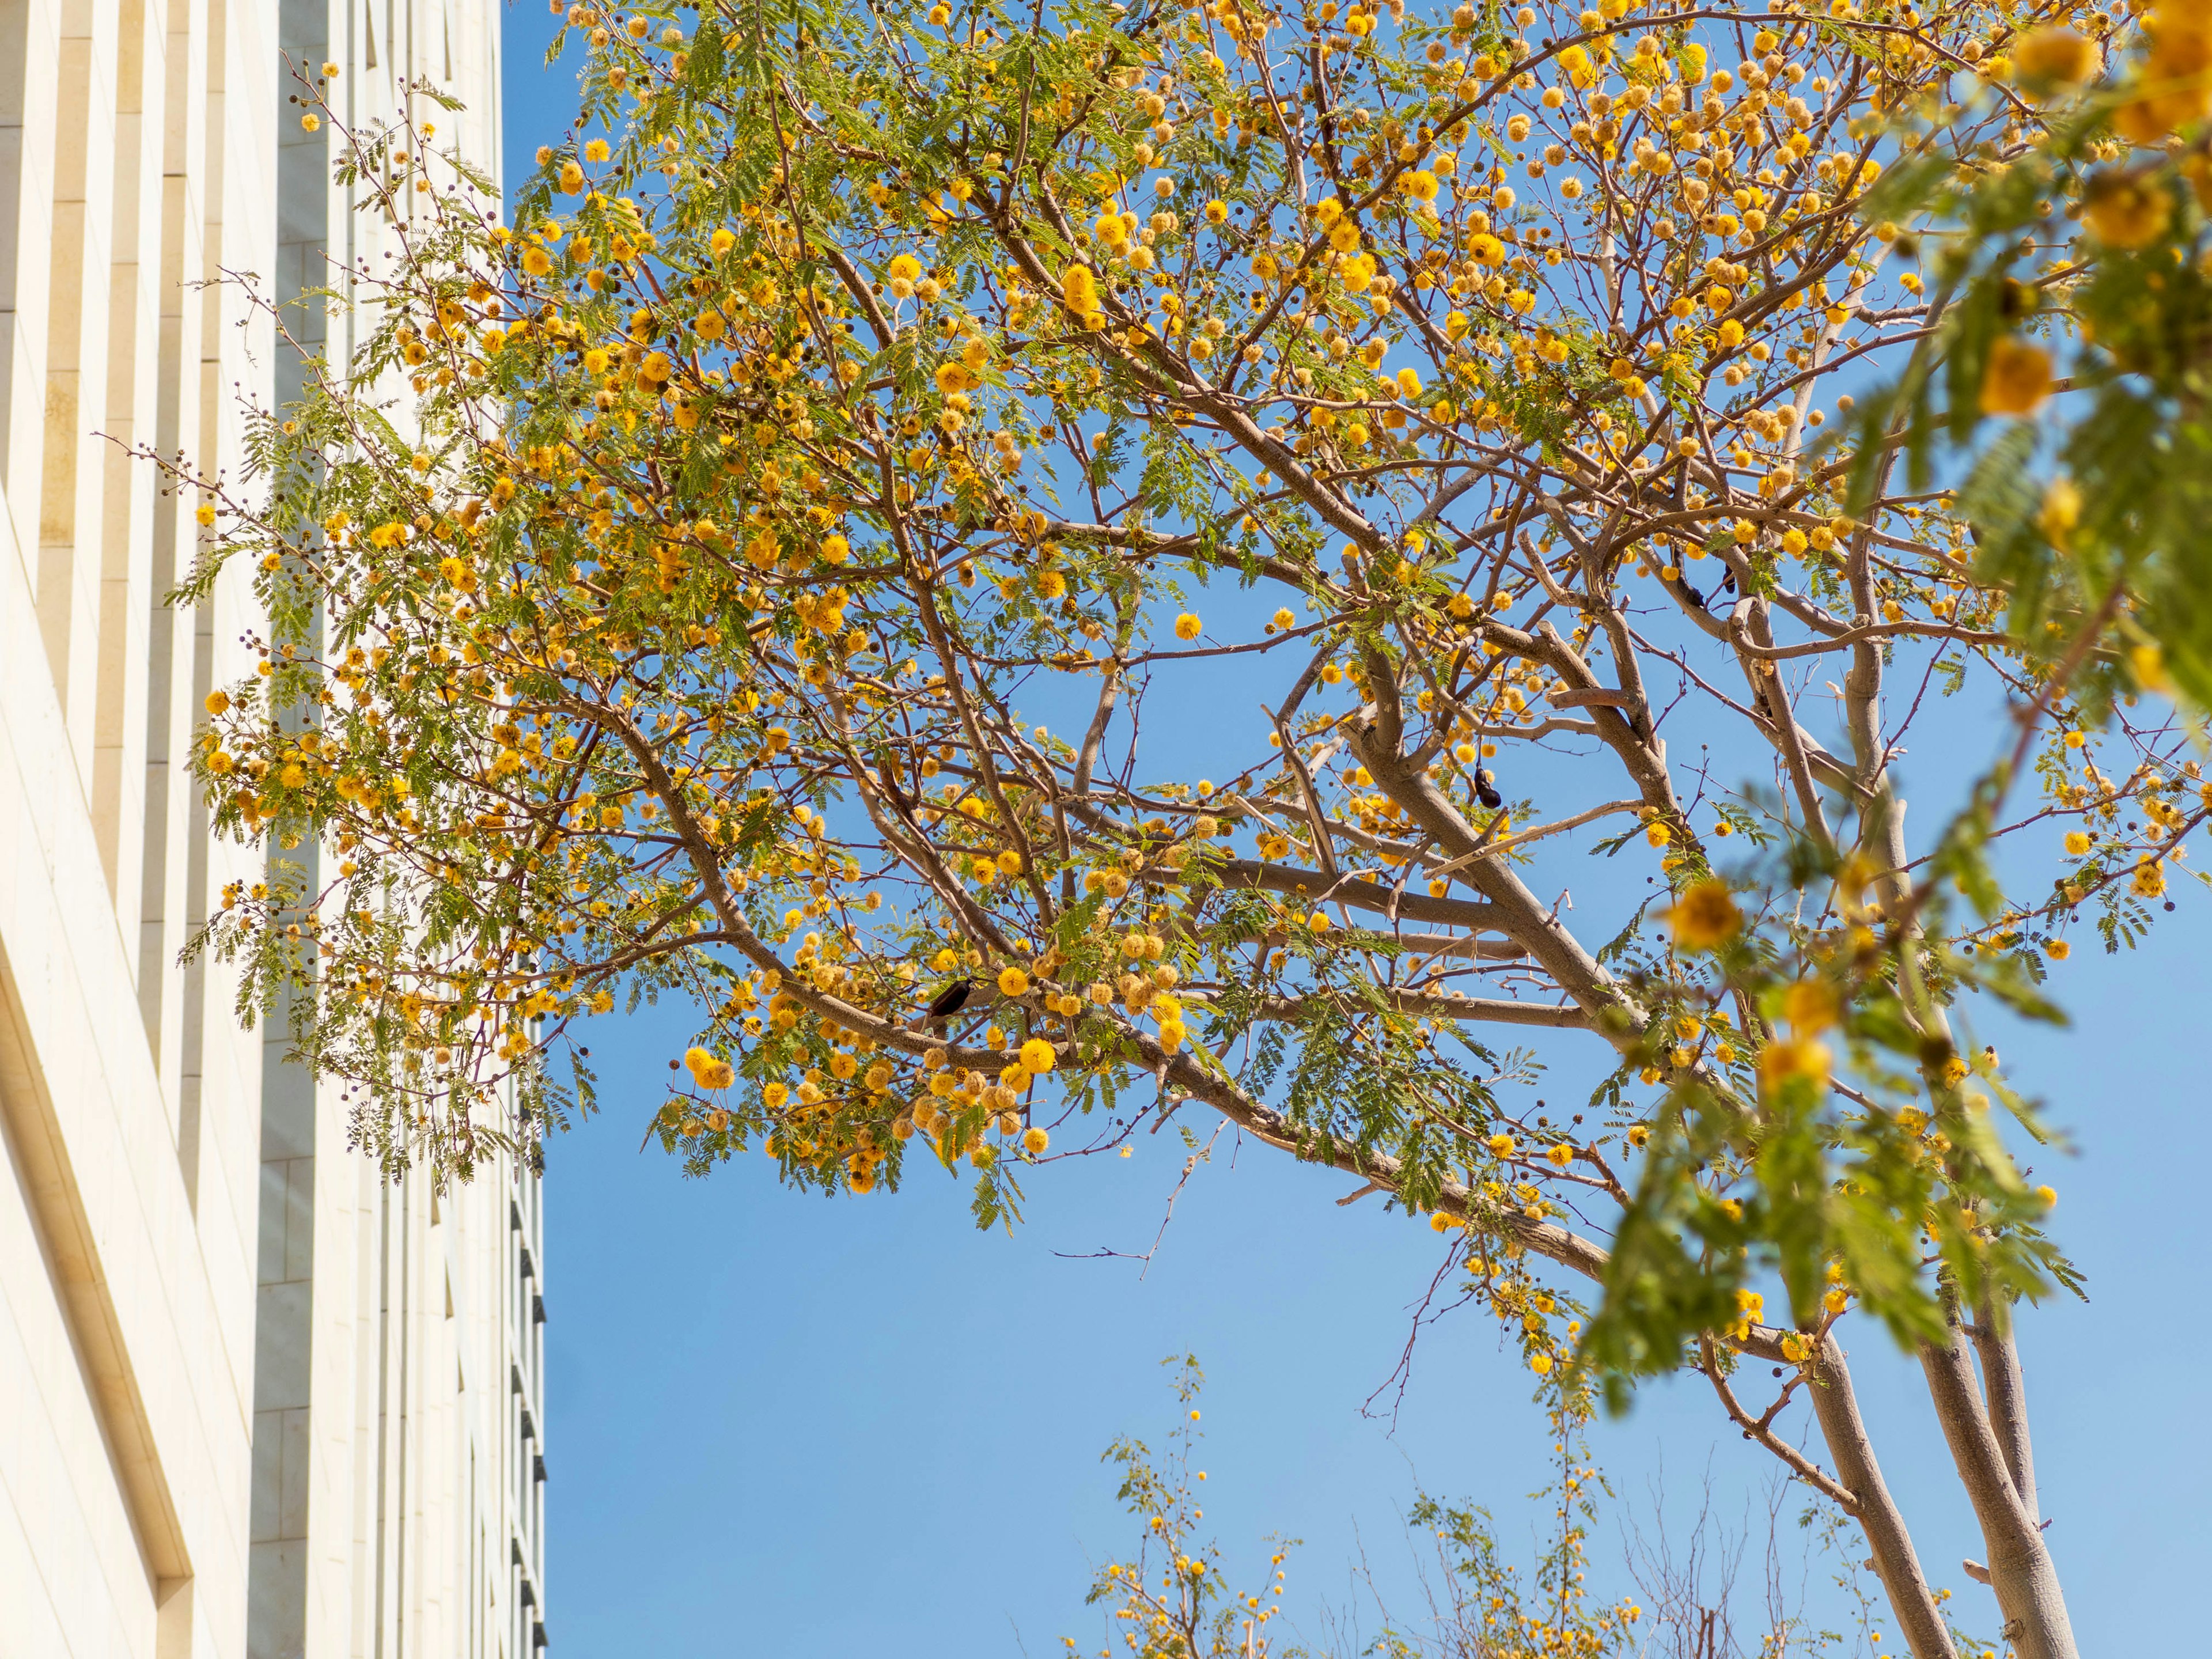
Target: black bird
x,y
1695,597
1485,790
951,999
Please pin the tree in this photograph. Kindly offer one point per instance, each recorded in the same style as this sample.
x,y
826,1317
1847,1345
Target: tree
x,y
874,377
1168,1596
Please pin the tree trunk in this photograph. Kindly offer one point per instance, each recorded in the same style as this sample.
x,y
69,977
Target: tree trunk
x,y
2021,1570
2005,1390
1911,1598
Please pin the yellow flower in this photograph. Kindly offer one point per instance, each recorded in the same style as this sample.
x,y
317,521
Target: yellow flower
x,y
218,701
2126,211
1013,982
2077,843
1782,1063
1500,1144
2149,664
1705,916
721,242
2017,379
1541,1363
1037,1057
310,122
1079,288
2150,880
1810,1006
2062,511
2051,59
2058,950
1188,626
572,177
2177,70
204,513
1034,1140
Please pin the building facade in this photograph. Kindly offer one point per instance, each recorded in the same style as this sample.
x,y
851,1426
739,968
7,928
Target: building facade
x,y
255,1401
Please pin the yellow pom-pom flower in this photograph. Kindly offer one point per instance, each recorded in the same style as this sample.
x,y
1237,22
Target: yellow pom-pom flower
x,y
1188,626
1037,1057
2052,58
1705,916
1079,288
1013,982
2017,379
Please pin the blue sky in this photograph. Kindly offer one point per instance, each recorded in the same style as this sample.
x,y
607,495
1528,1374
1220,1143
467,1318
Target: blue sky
x,y
784,1426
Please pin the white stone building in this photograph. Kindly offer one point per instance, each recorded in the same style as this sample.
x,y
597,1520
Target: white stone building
x,y
254,1401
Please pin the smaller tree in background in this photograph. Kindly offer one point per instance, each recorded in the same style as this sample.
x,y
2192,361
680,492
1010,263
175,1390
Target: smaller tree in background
x,y
1169,1598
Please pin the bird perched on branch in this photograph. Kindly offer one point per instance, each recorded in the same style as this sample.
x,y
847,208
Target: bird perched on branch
x,y
1485,790
949,1001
